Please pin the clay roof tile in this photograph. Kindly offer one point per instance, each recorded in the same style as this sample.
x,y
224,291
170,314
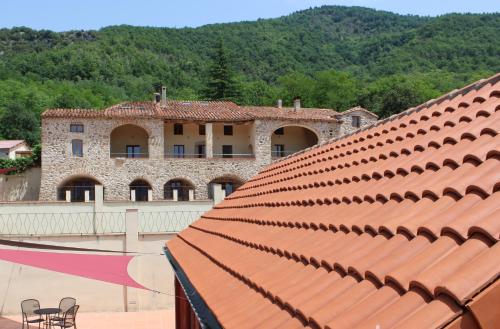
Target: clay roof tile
x,y
395,225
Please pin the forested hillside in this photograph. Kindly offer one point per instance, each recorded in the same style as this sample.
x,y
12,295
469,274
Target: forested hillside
x,y
331,56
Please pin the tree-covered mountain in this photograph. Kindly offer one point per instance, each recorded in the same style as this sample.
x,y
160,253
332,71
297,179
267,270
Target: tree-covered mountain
x,y
330,56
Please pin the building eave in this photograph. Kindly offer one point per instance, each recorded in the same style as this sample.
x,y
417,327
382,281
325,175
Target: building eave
x,y
205,316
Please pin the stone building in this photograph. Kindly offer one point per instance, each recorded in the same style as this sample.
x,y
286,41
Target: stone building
x,y
174,150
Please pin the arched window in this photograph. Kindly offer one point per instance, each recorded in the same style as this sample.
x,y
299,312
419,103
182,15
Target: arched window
x,y
181,186
77,148
141,189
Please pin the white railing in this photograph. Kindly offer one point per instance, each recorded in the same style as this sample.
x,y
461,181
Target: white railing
x,y
167,222
71,223
93,223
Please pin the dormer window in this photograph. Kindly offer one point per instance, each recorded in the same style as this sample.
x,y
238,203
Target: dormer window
x,y
76,128
356,121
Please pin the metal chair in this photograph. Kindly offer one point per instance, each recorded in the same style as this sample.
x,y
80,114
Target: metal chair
x,y
28,308
69,319
65,304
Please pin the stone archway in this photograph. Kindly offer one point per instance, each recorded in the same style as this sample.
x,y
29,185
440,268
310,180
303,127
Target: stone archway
x,y
290,139
77,186
140,189
129,141
181,185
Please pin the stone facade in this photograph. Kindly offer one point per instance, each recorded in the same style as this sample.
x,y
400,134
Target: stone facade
x,y
115,174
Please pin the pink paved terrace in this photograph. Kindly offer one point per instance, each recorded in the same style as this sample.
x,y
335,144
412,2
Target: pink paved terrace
x,y
163,319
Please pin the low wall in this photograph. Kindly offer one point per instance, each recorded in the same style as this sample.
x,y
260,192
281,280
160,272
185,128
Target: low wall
x,y
141,227
21,187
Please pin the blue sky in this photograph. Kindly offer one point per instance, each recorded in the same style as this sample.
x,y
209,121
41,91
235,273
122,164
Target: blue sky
x,y
62,15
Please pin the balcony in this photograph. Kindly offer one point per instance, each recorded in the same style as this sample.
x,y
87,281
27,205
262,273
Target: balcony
x,y
249,156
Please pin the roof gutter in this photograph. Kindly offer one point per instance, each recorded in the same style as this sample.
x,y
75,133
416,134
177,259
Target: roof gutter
x,y
203,313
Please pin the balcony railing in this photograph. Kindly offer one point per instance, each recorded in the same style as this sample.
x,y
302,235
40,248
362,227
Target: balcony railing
x,y
250,156
130,155
234,155
184,155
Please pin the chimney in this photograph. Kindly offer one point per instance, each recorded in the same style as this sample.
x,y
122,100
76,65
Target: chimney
x,y
163,96
156,97
296,103
280,103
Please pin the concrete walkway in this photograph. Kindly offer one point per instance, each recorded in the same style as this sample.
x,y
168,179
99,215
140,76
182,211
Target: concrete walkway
x,y
164,319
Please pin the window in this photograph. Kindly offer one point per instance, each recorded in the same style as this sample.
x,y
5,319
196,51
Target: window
x,y
279,131
227,151
178,151
178,129
200,151
228,130
201,130
356,121
133,151
278,150
77,147
76,128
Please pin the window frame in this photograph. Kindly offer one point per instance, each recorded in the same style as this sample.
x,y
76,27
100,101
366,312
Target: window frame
x,y
356,121
74,143
202,130
133,154
229,131
76,126
178,129
226,154
177,148
203,153
279,150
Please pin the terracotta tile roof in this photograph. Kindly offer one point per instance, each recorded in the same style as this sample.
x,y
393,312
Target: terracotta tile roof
x,y
287,113
8,144
361,109
395,226
194,111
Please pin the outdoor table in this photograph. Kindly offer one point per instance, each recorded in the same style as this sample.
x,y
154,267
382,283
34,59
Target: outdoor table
x,y
47,312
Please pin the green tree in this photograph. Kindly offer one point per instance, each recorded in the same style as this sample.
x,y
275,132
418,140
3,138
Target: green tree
x,y
336,90
221,84
18,122
391,95
295,84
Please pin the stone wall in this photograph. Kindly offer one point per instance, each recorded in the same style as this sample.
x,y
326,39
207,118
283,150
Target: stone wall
x,y
366,119
115,174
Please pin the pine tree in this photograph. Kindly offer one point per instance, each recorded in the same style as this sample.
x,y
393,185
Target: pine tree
x,y
221,84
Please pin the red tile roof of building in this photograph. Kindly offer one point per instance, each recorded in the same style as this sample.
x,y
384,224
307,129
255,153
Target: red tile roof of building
x,y
395,226
287,113
8,144
209,111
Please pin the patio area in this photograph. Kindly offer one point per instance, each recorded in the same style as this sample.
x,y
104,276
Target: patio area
x,y
163,319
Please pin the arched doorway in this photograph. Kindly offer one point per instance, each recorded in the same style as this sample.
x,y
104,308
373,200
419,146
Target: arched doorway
x,y
229,185
77,186
141,189
182,187
290,139
129,141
